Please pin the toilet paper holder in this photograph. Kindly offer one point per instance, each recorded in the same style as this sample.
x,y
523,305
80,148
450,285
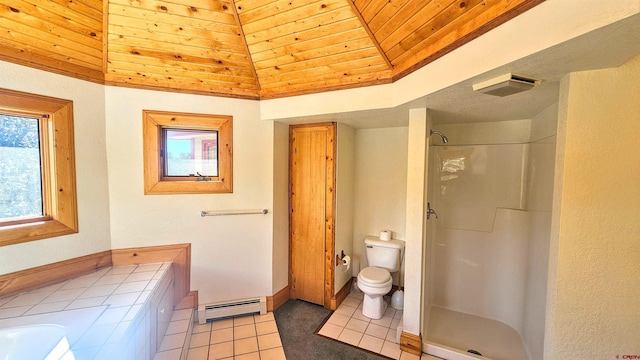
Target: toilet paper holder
x,y
343,259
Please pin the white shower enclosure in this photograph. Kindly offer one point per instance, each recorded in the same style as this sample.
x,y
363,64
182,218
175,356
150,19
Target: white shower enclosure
x,y
486,254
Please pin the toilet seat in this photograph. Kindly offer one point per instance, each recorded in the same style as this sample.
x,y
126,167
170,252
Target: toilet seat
x,y
375,276
374,282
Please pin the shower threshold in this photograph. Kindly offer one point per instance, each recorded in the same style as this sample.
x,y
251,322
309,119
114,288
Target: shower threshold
x,y
451,334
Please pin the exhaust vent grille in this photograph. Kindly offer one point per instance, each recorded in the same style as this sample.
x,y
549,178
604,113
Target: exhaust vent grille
x,y
505,85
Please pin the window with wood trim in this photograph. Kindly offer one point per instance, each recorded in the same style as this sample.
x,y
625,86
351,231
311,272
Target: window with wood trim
x,y
37,168
187,153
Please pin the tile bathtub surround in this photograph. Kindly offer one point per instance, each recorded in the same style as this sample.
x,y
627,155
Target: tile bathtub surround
x,y
114,286
174,345
246,337
120,295
348,325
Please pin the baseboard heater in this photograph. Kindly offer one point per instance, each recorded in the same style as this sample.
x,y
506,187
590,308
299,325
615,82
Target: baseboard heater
x,y
232,308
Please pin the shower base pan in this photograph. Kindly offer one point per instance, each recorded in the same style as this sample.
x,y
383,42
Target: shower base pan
x,y
451,335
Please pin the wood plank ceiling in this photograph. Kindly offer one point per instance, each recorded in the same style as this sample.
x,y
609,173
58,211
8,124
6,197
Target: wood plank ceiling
x,y
255,49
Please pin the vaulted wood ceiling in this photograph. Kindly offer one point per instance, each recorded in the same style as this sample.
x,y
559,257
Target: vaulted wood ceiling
x,y
253,49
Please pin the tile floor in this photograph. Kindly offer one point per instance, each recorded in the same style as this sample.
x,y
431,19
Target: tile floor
x,y
256,337
253,337
348,325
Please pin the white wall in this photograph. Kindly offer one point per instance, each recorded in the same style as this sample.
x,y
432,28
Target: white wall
x,y
380,185
232,255
415,220
91,169
593,299
541,163
345,173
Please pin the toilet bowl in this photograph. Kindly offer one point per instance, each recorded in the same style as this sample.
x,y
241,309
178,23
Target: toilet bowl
x,y
374,282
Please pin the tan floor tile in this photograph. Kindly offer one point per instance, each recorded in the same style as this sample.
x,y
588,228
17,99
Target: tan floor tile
x,y
390,312
221,324
266,327
243,320
371,343
199,353
221,351
357,325
377,331
408,356
385,321
331,330
338,319
262,318
392,336
360,316
350,337
249,356
244,331
353,302
199,339
197,328
345,310
391,350
273,354
269,341
222,335
244,346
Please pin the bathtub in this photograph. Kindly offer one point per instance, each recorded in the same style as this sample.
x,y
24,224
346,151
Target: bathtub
x,y
47,341
49,336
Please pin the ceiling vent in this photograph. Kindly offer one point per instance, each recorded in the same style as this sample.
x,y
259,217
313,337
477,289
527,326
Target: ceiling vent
x,y
507,84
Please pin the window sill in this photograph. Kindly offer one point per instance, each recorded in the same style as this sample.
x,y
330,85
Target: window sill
x,y
16,234
188,187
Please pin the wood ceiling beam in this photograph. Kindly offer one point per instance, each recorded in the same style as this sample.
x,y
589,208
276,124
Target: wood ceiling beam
x,y
246,46
371,36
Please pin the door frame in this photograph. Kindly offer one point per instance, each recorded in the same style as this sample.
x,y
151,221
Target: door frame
x,y
330,203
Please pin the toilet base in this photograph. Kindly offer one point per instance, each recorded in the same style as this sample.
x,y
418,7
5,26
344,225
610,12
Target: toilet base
x,y
374,307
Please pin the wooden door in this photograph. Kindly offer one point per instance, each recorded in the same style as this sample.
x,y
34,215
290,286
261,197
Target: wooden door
x,y
312,183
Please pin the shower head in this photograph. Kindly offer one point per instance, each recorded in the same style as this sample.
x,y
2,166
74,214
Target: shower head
x,y
444,138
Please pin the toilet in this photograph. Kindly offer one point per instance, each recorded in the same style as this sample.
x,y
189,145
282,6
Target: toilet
x,y
384,257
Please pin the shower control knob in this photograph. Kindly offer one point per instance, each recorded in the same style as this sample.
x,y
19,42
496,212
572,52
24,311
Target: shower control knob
x,y
430,211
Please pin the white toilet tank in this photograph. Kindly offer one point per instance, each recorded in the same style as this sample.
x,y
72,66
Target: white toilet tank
x,y
384,254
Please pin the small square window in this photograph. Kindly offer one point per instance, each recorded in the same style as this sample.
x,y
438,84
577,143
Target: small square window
x,y
187,153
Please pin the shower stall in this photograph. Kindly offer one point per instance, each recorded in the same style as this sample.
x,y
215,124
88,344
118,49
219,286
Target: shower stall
x,y
487,250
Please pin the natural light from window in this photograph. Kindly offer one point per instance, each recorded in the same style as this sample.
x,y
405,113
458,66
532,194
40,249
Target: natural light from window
x,y
191,153
20,168
37,168
187,153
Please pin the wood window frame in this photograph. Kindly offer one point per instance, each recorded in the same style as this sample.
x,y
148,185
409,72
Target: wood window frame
x,y
58,168
153,122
